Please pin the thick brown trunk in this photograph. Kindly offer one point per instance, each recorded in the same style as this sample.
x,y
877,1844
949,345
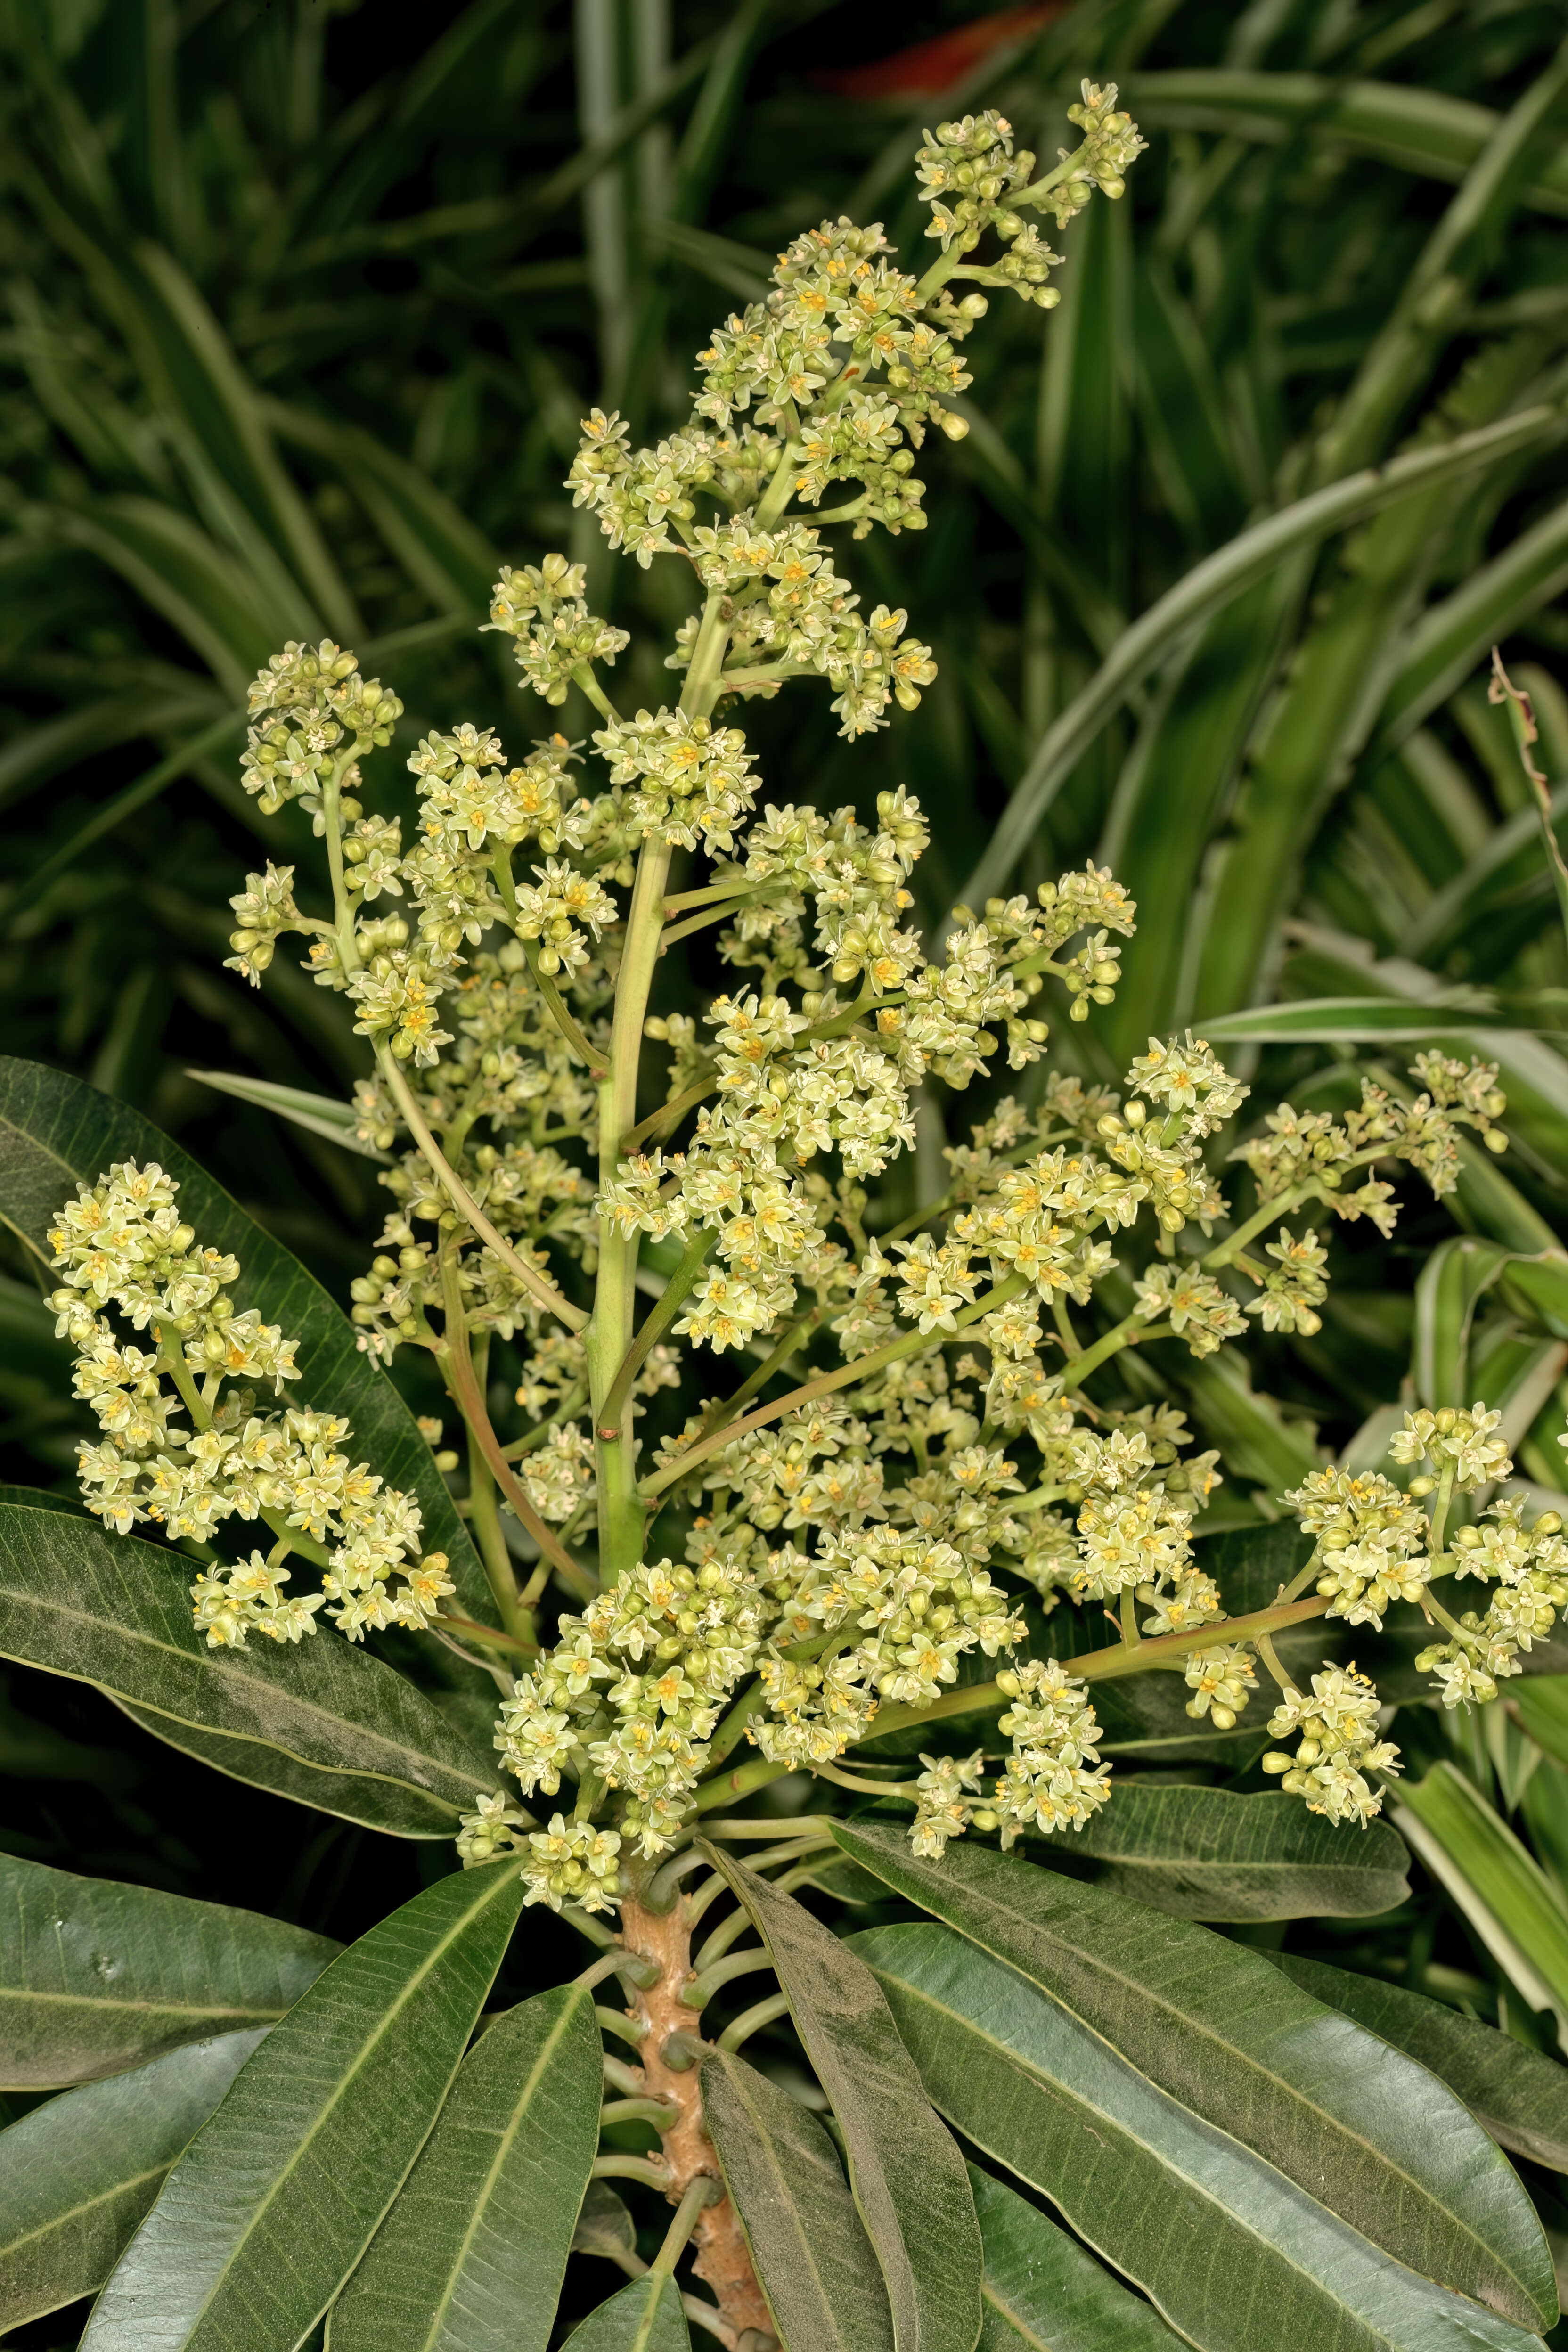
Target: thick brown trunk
x,y
723,2260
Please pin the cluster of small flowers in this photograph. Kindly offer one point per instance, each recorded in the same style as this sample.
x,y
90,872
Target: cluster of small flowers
x,y
691,781
572,1862
1054,1778
671,1643
302,705
1221,1680
973,181
1529,1568
794,614
1371,1539
1313,1149
123,1242
543,608
1339,1745
921,1607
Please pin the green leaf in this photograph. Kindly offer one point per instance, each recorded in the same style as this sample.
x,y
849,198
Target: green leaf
x,y
1497,1882
354,1738
472,2254
1424,131
1515,2092
77,2175
907,2177
1237,2257
95,1976
1541,1702
1454,1276
813,2259
1206,1854
1043,2294
276,2198
318,1113
646,2316
1371,2135
1210,585
1337,1020
57,1133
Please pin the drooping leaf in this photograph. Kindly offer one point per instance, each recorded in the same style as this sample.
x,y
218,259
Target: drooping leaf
x,y
95,1976
907,2177
1206,1854
113,1611
1041,2289
275,2200
1236,2256
471,2256
1377,2140
77,2175
1495,1880
813,2259
646,2316
57,1133
317,1114
1515,2092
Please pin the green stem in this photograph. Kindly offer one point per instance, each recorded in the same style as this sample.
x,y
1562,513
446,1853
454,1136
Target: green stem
x,y
463,1200
666,1307
568,1409
720,1414
452,1355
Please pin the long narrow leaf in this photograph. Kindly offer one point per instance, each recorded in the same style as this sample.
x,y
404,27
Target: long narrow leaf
x,y
95,1976
274,2202
907,2177
77,2175
1041,2290
1373,2137
812,2256
1237,2257
1211,583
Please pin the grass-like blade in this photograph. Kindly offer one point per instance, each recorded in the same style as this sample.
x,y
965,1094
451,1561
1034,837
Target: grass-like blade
x,y
1236,2256
1518,2095
77,2175
57,1133
907,2177
95,1976
1495,1880
471,2256
1041,2289
1376,2140
318,1113
1206,1854
276,2198
1209,585
112,1610
810,2251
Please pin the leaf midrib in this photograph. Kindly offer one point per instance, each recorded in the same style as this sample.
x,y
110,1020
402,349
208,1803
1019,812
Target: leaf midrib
x,y
13,2246
507,2140
1165,2007
301,2146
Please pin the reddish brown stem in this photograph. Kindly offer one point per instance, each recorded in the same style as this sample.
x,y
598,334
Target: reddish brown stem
x,y
722,2259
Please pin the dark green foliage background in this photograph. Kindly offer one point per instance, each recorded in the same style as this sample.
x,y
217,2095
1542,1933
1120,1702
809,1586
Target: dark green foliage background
x,y
301,304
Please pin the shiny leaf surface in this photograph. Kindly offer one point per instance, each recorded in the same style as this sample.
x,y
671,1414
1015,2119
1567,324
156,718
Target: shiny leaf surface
x,y
1043,2294
1376,2138
95,1976
275,2200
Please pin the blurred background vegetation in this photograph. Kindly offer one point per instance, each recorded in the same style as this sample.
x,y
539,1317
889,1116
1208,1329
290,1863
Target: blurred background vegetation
x,y
302,300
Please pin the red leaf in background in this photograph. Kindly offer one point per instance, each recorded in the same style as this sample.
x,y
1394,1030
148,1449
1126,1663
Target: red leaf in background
x,y
929,68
